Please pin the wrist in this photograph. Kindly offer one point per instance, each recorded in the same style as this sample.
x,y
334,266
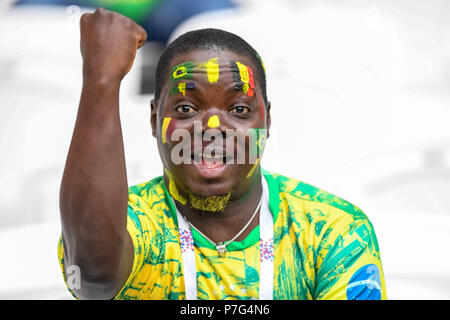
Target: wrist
x,y
101,81
99,74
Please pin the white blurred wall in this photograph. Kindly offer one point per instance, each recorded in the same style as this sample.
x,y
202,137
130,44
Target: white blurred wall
x,y
360,107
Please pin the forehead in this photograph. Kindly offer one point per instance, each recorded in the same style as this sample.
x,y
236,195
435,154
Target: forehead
x,y
196,62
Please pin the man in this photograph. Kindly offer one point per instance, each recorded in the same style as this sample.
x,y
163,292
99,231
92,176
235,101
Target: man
x,y
215,225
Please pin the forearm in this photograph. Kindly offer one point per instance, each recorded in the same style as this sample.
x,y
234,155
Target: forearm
x,y
93,199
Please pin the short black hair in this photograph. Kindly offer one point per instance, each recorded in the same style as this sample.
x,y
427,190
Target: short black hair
x,y
208,39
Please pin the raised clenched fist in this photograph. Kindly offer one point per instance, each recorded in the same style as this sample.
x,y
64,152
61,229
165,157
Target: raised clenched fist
x,y
108,43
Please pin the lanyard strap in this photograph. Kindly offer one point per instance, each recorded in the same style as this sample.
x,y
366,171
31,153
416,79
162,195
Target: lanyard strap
x,y
266,251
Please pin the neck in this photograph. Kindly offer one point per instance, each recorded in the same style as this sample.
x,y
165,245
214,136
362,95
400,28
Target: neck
x,y
223,226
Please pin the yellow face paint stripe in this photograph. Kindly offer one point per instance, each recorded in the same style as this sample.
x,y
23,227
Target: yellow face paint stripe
x,y
182,88
243,72
165,125
249,174
212,70
173,189
213,122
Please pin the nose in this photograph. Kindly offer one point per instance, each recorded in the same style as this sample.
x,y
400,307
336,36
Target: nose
x,y
213,122
213,119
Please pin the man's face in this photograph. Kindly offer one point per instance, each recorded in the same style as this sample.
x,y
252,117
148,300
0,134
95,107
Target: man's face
x,y
215,93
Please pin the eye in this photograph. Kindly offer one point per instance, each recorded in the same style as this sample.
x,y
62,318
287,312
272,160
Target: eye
x,y
240,110
185,109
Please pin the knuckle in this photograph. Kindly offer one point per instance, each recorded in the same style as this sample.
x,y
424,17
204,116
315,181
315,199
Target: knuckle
x,y
84,17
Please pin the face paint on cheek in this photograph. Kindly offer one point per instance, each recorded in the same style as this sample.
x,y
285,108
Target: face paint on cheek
x,y
250,173
213,122
257,142
167,129
257,145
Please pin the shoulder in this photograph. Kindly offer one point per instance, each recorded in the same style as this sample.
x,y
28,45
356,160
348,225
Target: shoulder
x,y
317,216
147,189
147,194
148,202
304,201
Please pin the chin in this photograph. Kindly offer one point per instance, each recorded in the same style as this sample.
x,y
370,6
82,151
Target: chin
x,y
206,182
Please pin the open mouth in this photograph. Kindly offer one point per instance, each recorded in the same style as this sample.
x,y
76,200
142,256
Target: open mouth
x,y
209,160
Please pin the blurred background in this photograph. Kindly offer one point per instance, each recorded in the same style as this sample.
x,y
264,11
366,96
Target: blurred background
x,y
360,93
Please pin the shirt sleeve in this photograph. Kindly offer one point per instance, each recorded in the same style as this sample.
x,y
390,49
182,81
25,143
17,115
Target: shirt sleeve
x,y
351,268
139,227
76,280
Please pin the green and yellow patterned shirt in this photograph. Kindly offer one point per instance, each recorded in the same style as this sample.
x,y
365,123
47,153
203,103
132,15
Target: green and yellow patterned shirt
x,y
323,248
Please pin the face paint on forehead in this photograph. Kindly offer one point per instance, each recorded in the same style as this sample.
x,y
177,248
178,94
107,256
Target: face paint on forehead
x,y
243,77
212,69
181,87
186,70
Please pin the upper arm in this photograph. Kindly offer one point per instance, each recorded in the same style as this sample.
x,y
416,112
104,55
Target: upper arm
x,y
102,288
351,268
131,260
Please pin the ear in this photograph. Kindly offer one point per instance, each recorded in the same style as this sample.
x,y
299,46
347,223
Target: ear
x,y
153,116
268,119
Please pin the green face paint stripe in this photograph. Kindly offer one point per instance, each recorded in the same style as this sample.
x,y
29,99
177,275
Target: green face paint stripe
x,y
185,71
173,90
249,174
182,71
258,141
262,63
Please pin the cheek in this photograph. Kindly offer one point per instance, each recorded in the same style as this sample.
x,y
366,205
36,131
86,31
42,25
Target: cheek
x,y
168,126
